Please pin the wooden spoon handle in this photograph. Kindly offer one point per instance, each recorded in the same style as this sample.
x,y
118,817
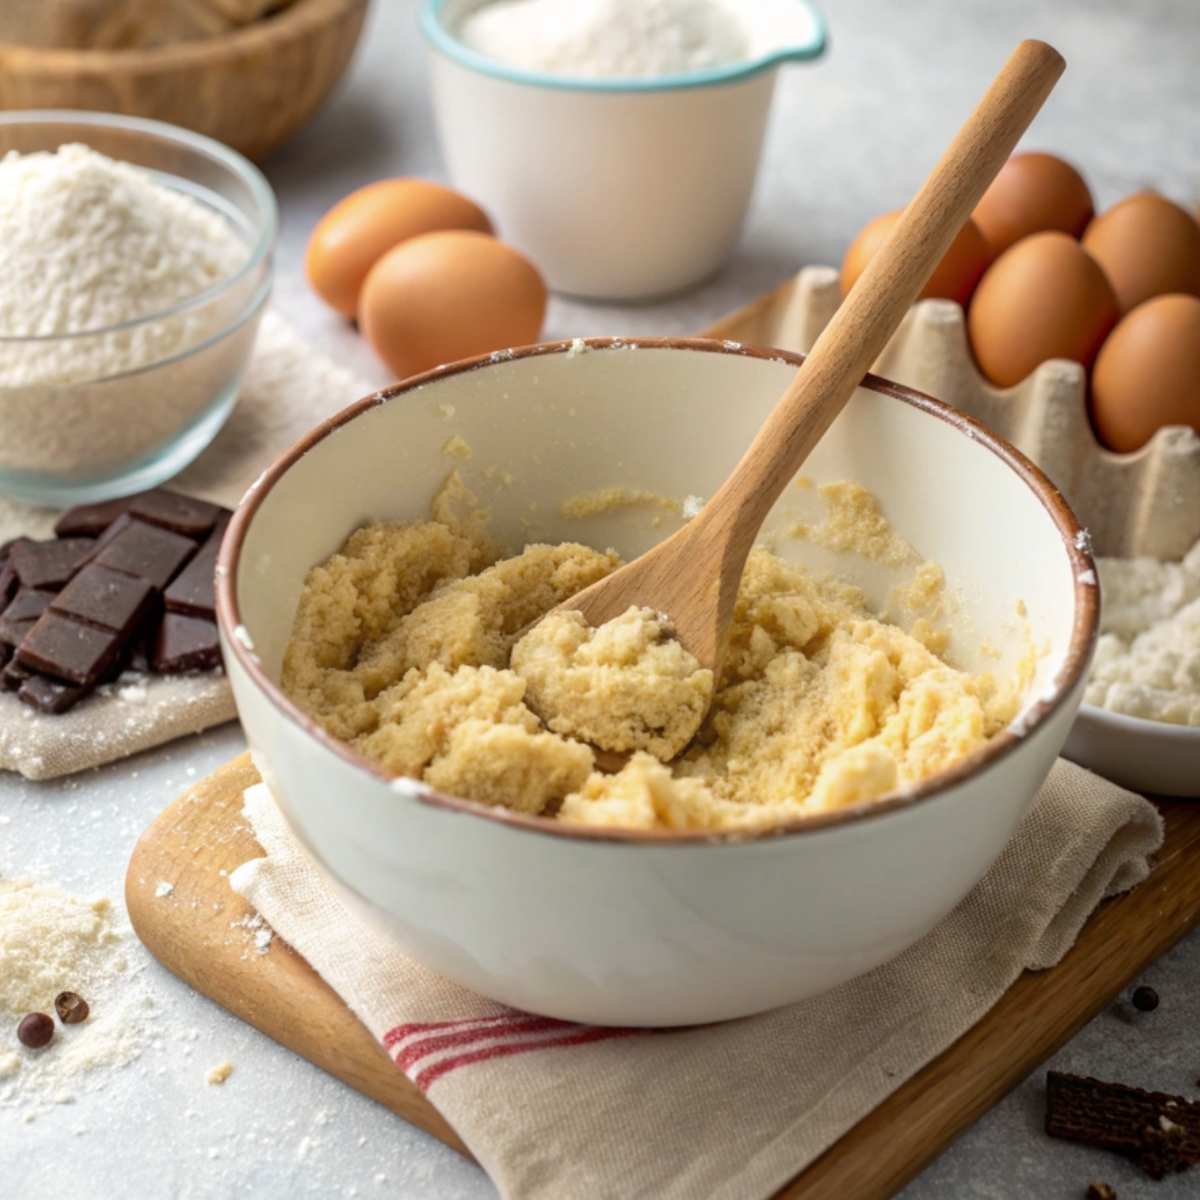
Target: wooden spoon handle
x,y
871,313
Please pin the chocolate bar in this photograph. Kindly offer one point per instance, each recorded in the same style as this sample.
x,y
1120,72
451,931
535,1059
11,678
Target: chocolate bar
x,y
1158,1131
147,551
193,591
184,515
108,599
48,564
185,644
68,650
21,614
49,695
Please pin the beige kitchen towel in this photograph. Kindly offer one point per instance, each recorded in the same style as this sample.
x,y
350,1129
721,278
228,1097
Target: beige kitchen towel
x,y
556,1111
288,389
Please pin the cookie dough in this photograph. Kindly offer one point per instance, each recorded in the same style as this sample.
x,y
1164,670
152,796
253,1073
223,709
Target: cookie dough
x,y
403,646
628,685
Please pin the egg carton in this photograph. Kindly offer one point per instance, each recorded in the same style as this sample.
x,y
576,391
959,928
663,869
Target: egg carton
x,y
1143,503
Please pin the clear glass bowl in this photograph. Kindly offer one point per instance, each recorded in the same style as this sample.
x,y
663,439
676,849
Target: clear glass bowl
x,y
112,434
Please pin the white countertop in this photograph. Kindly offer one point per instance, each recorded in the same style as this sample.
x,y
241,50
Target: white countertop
x,y
851,136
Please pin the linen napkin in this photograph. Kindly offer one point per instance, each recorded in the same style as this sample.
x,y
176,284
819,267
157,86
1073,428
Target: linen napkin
x,y
287,390
554,1111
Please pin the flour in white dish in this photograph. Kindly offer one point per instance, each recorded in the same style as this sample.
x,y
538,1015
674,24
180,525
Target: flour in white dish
x,y
1147,661
608,39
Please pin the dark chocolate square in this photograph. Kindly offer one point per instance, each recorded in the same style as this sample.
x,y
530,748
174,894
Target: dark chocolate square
x,y
14,676
185,644
181,514
193,591
49,564
91,520
67,650
19,617
50,696
8,583
100,596
146,551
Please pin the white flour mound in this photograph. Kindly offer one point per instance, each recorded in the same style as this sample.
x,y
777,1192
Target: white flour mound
x,y
1147,661
51,942
90,242
601,39
634,39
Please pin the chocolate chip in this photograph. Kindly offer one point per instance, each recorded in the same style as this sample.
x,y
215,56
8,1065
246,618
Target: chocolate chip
x,y
181,514
35,1030
185,644
1144,999
49,564
50,696
71,1007
67,650
148,552
108,599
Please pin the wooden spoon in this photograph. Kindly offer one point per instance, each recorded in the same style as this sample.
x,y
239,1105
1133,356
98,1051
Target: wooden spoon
x,y
693,576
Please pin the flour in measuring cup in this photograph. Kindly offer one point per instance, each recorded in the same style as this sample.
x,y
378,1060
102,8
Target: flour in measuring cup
x,y
609,39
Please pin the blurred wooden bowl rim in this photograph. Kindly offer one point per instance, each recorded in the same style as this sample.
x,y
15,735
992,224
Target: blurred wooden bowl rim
x,y
252,88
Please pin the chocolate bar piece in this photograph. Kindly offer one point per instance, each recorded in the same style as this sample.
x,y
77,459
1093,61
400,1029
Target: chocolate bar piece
x,y
14,676
193,591
67,650
6,653
184,515
147,551
48,564
91,520
185,644
1158,1131
8,583
108,599
21,614
50,696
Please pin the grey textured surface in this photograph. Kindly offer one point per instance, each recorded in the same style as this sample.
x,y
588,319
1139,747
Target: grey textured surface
x,y
850,137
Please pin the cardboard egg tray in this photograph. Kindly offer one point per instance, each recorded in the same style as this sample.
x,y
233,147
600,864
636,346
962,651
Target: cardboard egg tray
x,y
1143,503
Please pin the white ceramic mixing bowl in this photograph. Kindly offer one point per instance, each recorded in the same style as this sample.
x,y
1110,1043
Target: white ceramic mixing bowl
x,y
617,189
636,928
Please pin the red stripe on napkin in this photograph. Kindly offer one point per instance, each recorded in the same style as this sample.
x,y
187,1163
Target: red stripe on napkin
x,y
585,1033
402,1031
424,1046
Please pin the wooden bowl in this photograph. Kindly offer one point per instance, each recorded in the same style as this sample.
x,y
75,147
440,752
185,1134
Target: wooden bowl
x,y
251,89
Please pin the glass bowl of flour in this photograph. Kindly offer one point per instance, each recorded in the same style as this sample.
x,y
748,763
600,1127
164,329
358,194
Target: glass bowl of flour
x,y
137,264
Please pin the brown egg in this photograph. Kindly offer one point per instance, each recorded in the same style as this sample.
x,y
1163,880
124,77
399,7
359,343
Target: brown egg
x,y
450,295
1042,298
1147,374
359,230
1147,247
1034,193
956,275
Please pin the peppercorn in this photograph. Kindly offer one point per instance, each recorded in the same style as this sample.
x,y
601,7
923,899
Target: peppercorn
x,y
1145,999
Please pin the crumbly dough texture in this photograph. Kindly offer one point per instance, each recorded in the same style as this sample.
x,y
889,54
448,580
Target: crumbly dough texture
x,y
628,685
403,646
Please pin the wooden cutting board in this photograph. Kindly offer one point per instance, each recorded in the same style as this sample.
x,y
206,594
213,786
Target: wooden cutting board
x,y
192,931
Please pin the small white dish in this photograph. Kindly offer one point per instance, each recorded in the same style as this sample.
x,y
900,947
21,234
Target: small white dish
x,y
1145,756
633,927
618,189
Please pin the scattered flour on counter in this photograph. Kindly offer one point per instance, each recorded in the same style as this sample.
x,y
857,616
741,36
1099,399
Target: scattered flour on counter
x,y
1147,660
52,942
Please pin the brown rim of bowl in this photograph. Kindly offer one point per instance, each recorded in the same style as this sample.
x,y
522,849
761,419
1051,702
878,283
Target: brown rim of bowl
x,y
1074,539
298,18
